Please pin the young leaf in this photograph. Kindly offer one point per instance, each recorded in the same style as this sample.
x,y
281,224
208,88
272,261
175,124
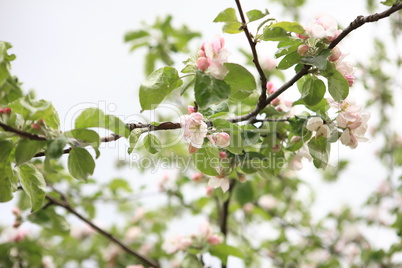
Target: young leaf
x,y
240,80
232,27
133,35
6,147
157,86
152,143
133,139
228,15
209,90
338,87
8,182
275,34
26,149
207,160
289,60
222,251
55,147
319,149
80,163
85,136
320,61
313,91
290,26
255,14
33,183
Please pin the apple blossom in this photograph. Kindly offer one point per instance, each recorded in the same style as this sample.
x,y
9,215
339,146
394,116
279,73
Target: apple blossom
x,y
346,69
222,139
248,208
223,155
133,233
212,56
323,27
335,54
177,243
303,49
296,162
19,235
191,109
47,262
205,232
135,266
269,63
317,124
195,129
217,182
267,202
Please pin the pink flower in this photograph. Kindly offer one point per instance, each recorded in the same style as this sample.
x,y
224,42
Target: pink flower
x,y
323,27
296,162
270,87
346,69
222,139
190,109
335,54
217,182
177,243
212,56
195,129
205,233
269,63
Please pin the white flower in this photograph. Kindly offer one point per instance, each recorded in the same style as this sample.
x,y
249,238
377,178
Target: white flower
x,y
195,129
216,182
267,202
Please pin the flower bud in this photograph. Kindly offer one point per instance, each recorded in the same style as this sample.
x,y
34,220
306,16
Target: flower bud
x,y
190,109
35,126
209,191
223,155
222,139
335,54
295,139
350,78
276,148
7,110
192,149
197,177
16,211
303,49
202,63
270,87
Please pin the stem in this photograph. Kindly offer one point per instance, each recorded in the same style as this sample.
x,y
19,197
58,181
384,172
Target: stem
x,y
22,133
143,259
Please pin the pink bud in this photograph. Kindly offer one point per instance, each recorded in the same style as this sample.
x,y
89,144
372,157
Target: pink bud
x,y
335,54
222,139
190,109
276,148
302,50
197,177
270,87
192,149
304,37
209,191
215,239
276,101
202,63
16,224
223,155
1,111
7,110
35,126
350,78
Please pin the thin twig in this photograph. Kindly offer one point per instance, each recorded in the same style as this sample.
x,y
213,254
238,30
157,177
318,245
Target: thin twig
x,y
143,259
22,133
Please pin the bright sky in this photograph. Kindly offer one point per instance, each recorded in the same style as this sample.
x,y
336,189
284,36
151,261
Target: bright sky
x,y
72,53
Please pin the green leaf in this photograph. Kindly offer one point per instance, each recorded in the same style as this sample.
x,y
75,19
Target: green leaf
x,y
80,163
240,80
313,91
26,149
232,27
228,15
93,117
251,162
244,193
55,147
275,34
222,251
255,14
6,147
289,60
119,184
85,136
289,26
338,86
50,220
133,139
207,160
192,261
8,182
133,35
287,49
157,86
152,143
319,149
213,110
34,185
390,2
320,61
209,90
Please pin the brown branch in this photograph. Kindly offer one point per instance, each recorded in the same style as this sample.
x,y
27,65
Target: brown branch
x,y
22,133
143,259
358,22
253,44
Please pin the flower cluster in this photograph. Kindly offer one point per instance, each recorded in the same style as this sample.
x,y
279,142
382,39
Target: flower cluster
x,y
203,238
325,29
352,120
195,130
212,56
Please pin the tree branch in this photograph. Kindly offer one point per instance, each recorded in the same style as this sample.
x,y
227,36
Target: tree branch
x,y
358,22
253,44
22,133
143,259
